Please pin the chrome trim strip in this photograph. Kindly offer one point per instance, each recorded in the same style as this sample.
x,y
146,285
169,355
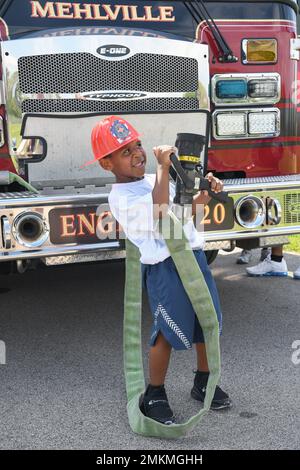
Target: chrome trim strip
x,y
2,137
273,204
220,236
59,251
245,184
234,188
6,232
253,234
61,199
2,93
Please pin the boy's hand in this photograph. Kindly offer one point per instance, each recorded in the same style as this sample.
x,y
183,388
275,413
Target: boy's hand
x,y
216,185
162,154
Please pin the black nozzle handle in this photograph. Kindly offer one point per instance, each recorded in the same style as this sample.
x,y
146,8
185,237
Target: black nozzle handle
x,y
222,196
188,183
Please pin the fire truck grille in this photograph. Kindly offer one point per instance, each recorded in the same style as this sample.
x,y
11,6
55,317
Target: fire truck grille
x,y
292,208
89,106
83,72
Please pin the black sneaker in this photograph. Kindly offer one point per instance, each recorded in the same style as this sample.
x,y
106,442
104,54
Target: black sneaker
x,y
154,404
220,401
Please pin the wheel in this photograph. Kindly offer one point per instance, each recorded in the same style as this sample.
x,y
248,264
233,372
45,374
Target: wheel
x,y
211,255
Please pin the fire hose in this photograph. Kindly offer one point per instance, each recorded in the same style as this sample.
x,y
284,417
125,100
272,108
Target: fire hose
x,y
187,174
196,288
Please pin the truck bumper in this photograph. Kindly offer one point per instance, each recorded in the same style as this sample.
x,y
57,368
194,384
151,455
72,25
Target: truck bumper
x,y
267,209
61,229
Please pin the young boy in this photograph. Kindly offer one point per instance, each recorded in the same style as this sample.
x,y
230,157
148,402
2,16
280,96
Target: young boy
x,y
137,201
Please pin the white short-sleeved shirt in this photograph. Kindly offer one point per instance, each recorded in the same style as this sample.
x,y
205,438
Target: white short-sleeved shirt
x,y
132,206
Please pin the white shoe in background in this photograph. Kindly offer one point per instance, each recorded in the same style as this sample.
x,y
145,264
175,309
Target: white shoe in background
x,y
297,273
269,268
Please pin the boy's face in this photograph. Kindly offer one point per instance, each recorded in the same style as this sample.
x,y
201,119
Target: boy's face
x,y
128,163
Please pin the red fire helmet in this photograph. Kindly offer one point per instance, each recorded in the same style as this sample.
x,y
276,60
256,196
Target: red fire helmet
x,y
109,135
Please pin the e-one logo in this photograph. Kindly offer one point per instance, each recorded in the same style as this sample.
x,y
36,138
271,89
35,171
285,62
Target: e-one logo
x,y
113,50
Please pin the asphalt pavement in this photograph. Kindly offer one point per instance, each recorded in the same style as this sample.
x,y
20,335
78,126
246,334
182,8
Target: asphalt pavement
x,y
62,386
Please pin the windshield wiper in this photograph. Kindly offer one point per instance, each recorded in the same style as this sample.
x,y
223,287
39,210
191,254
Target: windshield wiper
x,y
199,12
4,5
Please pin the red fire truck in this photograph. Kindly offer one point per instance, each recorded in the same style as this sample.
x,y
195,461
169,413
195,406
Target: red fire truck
x,y
160,64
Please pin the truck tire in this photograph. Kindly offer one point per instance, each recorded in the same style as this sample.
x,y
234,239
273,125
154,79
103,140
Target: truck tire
x,y
211,255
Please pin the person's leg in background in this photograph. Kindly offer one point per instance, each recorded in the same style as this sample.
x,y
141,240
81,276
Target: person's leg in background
x,y
245,256
274,265
265,252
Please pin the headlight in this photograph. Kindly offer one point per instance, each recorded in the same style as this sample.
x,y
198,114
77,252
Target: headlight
x,y
264,88
241,89
231,89
231,124
246,123
262,123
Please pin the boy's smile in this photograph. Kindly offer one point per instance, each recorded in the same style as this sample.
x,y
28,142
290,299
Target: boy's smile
x,y
128,163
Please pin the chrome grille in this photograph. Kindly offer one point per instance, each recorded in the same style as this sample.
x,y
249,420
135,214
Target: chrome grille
x,y
63,75
112,106
83,72
292,208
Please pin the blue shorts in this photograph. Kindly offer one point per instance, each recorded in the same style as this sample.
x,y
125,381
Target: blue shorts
x,y
173,313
